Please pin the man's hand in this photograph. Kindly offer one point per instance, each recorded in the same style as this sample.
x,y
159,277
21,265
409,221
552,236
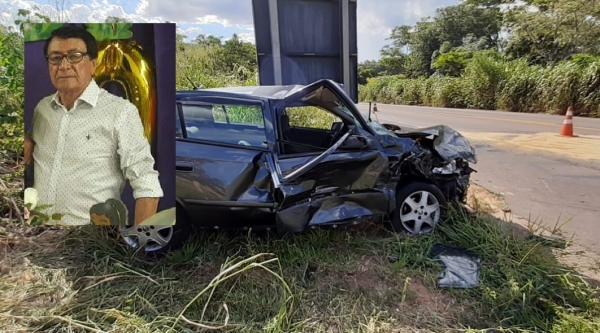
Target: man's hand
x,y
145,208
29,145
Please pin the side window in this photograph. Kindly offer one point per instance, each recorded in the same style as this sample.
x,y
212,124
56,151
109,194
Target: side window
x,y
229,123
314,121
312,117
178,130
308,129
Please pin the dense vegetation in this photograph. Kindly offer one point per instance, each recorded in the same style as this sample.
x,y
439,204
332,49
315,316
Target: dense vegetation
x,y
538,56
209,62
11,122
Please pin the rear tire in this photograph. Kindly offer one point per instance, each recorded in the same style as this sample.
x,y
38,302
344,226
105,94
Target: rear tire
x,y
420,207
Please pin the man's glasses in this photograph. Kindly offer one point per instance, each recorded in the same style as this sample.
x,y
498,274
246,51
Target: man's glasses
x,y
72,57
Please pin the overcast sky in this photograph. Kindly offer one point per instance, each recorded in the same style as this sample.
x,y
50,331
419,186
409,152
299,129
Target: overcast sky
x,y
223,18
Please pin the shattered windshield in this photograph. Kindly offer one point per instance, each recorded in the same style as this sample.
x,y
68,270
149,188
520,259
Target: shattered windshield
x,y
343,108
379,129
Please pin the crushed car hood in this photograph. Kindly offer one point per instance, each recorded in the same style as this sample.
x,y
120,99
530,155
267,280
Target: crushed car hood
x,y
447,142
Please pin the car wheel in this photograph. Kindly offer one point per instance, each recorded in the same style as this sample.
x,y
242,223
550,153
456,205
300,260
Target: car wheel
x,y
158,239
419,208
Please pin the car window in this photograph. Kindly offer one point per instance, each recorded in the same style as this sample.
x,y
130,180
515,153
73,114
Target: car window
x,y
178,130
225,123
311,117
308,129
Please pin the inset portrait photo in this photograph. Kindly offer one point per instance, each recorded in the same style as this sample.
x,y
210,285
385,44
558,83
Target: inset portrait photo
x,y
99,144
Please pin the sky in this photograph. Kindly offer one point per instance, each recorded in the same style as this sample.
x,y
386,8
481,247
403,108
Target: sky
x,y
223,18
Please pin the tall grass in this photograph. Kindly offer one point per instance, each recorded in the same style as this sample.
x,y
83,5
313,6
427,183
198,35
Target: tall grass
x,y
489,82
357,280
204,66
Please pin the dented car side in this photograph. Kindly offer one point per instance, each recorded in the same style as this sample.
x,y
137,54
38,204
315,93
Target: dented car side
x,y
269,173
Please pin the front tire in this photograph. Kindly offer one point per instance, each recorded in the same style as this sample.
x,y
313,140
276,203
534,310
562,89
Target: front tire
x,y
157,240
420,207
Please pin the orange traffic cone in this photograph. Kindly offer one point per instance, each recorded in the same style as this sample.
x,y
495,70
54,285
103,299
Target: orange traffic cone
x,y
374,106
567,127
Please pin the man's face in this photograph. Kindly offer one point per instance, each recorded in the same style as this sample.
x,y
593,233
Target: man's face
x,y
67,76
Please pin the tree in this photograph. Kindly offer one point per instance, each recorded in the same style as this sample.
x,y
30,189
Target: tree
x,y
392,60
417,48
548,31
239,56
371,68
207,40
452,63
458,24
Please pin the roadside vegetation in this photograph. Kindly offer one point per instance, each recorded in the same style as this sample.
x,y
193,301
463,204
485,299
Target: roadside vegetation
x,y
364,279
11,124
532,56
209,62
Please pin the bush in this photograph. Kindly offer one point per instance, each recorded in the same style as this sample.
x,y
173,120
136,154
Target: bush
x,y
11,92
490,82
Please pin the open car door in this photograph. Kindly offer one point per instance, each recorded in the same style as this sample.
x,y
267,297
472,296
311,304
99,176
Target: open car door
x,y
328,168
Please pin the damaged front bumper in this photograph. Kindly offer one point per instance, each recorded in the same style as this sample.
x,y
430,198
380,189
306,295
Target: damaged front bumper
x,y
440,154
454,180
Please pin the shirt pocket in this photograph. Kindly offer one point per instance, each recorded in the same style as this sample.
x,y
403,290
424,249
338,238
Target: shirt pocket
x,y
92,143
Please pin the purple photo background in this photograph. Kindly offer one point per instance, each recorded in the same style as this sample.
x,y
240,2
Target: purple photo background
x,y
158,40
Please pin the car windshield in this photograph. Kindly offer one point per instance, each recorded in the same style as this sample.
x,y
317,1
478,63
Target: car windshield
x,y
379,129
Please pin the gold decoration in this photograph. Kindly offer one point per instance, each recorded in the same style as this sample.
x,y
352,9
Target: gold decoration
x,y
123,62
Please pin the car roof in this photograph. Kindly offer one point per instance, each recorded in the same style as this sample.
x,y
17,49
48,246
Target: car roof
x,y
259,92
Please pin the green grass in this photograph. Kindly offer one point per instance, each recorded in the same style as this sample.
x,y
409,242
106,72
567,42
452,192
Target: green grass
x,y
323,280
311,117
240,114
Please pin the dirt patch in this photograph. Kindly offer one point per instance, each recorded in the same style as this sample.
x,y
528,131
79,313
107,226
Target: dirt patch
x,y
368,275
583,147
427,298
409,299
481,200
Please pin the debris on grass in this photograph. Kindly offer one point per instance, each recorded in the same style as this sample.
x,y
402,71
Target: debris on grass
x,y
461,267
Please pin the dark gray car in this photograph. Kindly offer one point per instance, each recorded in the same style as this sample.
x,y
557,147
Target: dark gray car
x,y
288,158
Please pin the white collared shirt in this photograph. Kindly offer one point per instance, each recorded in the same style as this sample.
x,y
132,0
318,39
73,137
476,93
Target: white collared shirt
x,y
83,156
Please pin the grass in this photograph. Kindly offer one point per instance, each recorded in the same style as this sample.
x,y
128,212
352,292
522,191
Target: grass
x,y
364,279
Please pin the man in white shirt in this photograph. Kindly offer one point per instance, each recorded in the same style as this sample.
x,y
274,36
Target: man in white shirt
x,y
87,141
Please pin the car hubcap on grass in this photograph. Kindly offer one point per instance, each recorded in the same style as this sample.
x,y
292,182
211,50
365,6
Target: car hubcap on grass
x,y
151,237
420,212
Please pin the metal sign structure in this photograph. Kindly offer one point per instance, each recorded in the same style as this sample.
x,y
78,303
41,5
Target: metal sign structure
x,y
302,41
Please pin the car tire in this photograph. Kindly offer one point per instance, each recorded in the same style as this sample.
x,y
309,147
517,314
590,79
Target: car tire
x,y
158,240
420,207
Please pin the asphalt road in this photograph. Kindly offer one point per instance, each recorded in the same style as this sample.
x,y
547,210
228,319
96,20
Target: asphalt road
x,y
542,187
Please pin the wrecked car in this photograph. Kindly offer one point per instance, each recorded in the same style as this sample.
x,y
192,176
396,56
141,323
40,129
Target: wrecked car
x,y
288,158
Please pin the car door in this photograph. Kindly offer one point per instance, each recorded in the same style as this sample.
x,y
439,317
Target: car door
x,y
338,174
221,176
